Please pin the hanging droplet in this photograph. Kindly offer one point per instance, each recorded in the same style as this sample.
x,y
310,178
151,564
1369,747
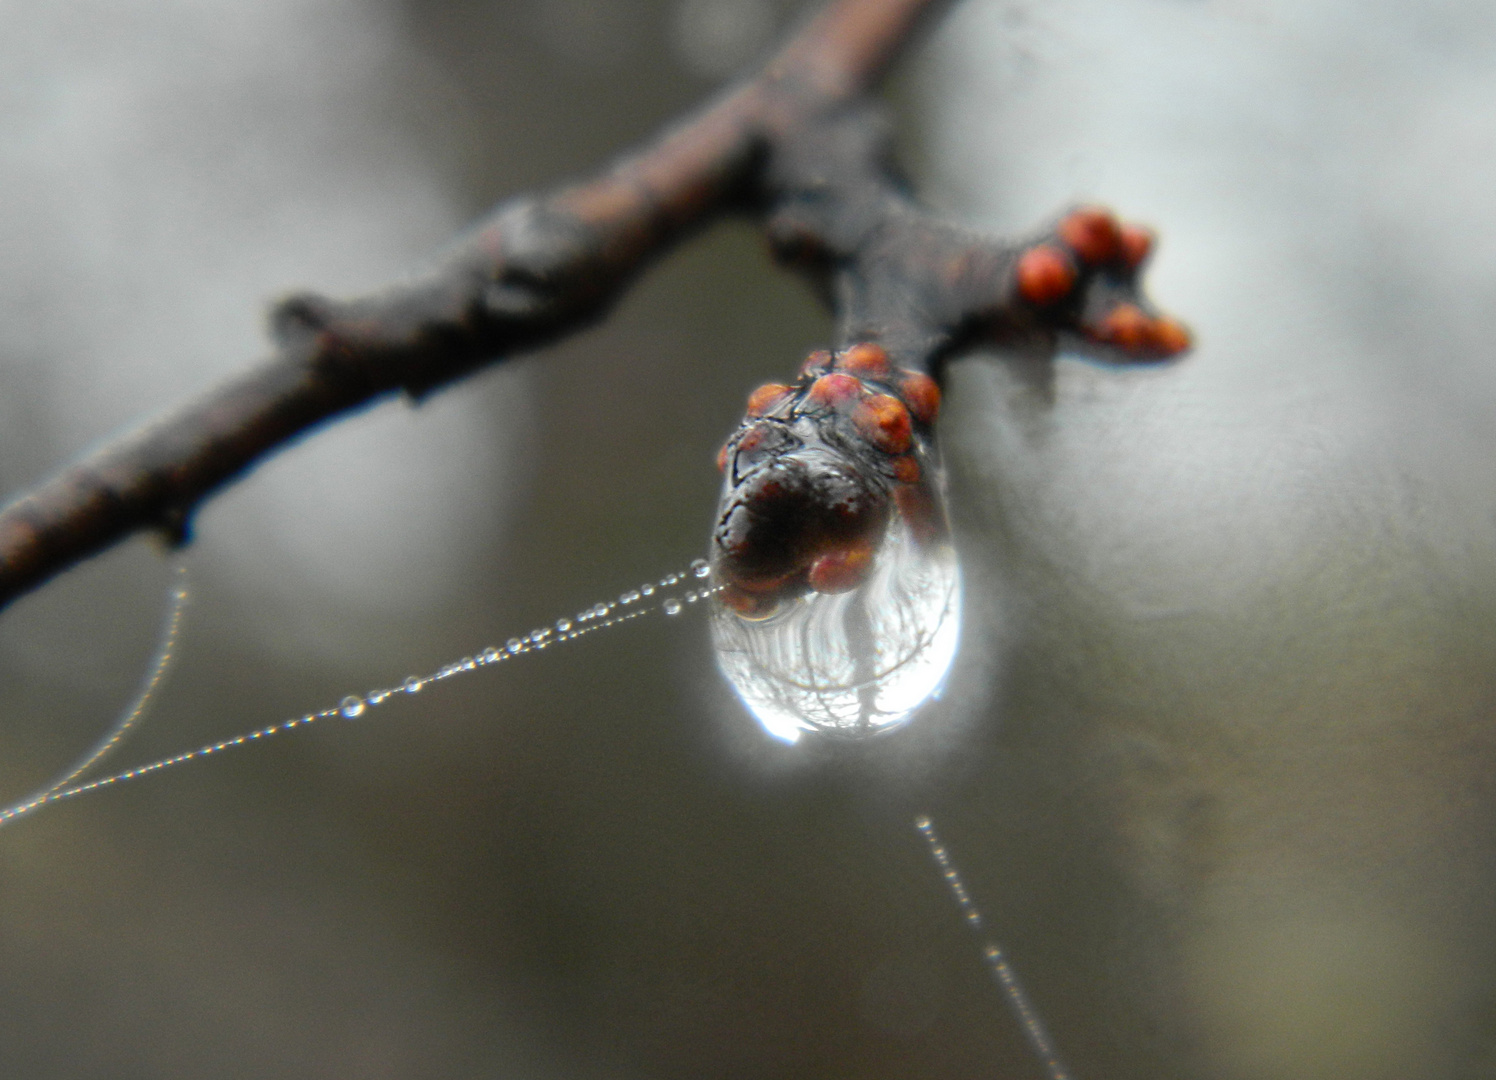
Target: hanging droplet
x,y
514,645
352,707
489,655
672,606
629,597
412,685
646,590
852,663
563,625
837,593
700,567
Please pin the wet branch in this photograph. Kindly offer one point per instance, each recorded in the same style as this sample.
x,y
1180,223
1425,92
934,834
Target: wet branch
x,y
801,145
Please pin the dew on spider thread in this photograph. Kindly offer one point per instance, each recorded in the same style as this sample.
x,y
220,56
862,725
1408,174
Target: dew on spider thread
x,y
1023,1007
600,616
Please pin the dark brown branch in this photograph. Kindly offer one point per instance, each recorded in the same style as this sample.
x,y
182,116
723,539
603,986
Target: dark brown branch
x,y
798,143
922,287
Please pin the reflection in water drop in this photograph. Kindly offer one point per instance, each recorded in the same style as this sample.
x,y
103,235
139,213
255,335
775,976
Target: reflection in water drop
x,y
853,663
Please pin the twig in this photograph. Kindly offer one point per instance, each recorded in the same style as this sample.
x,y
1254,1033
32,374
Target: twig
x,y
798,144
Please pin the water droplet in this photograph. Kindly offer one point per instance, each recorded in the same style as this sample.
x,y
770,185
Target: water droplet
x,y
853,663
514,645
690,596
563,625
352,707
374,697
629,597
700,567
672,606
412,685
489,655
670,580
537,636
646,590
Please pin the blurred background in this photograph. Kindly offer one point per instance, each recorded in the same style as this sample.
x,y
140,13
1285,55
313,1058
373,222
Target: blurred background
x,y
1218,757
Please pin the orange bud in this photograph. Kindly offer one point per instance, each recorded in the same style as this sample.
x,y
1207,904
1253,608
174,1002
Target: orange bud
x,y
883,421
1127,327
921,395
1092,233
1168,337
722,459
868,361
1045,274
766,397
834,390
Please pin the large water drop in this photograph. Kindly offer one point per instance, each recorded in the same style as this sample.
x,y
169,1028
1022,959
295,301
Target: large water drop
x,y
854,663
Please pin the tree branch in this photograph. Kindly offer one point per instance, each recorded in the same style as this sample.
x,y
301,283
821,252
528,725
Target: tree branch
x,y
798,144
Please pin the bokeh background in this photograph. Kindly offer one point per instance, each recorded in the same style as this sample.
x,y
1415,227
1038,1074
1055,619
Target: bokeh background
x,y
1217,759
